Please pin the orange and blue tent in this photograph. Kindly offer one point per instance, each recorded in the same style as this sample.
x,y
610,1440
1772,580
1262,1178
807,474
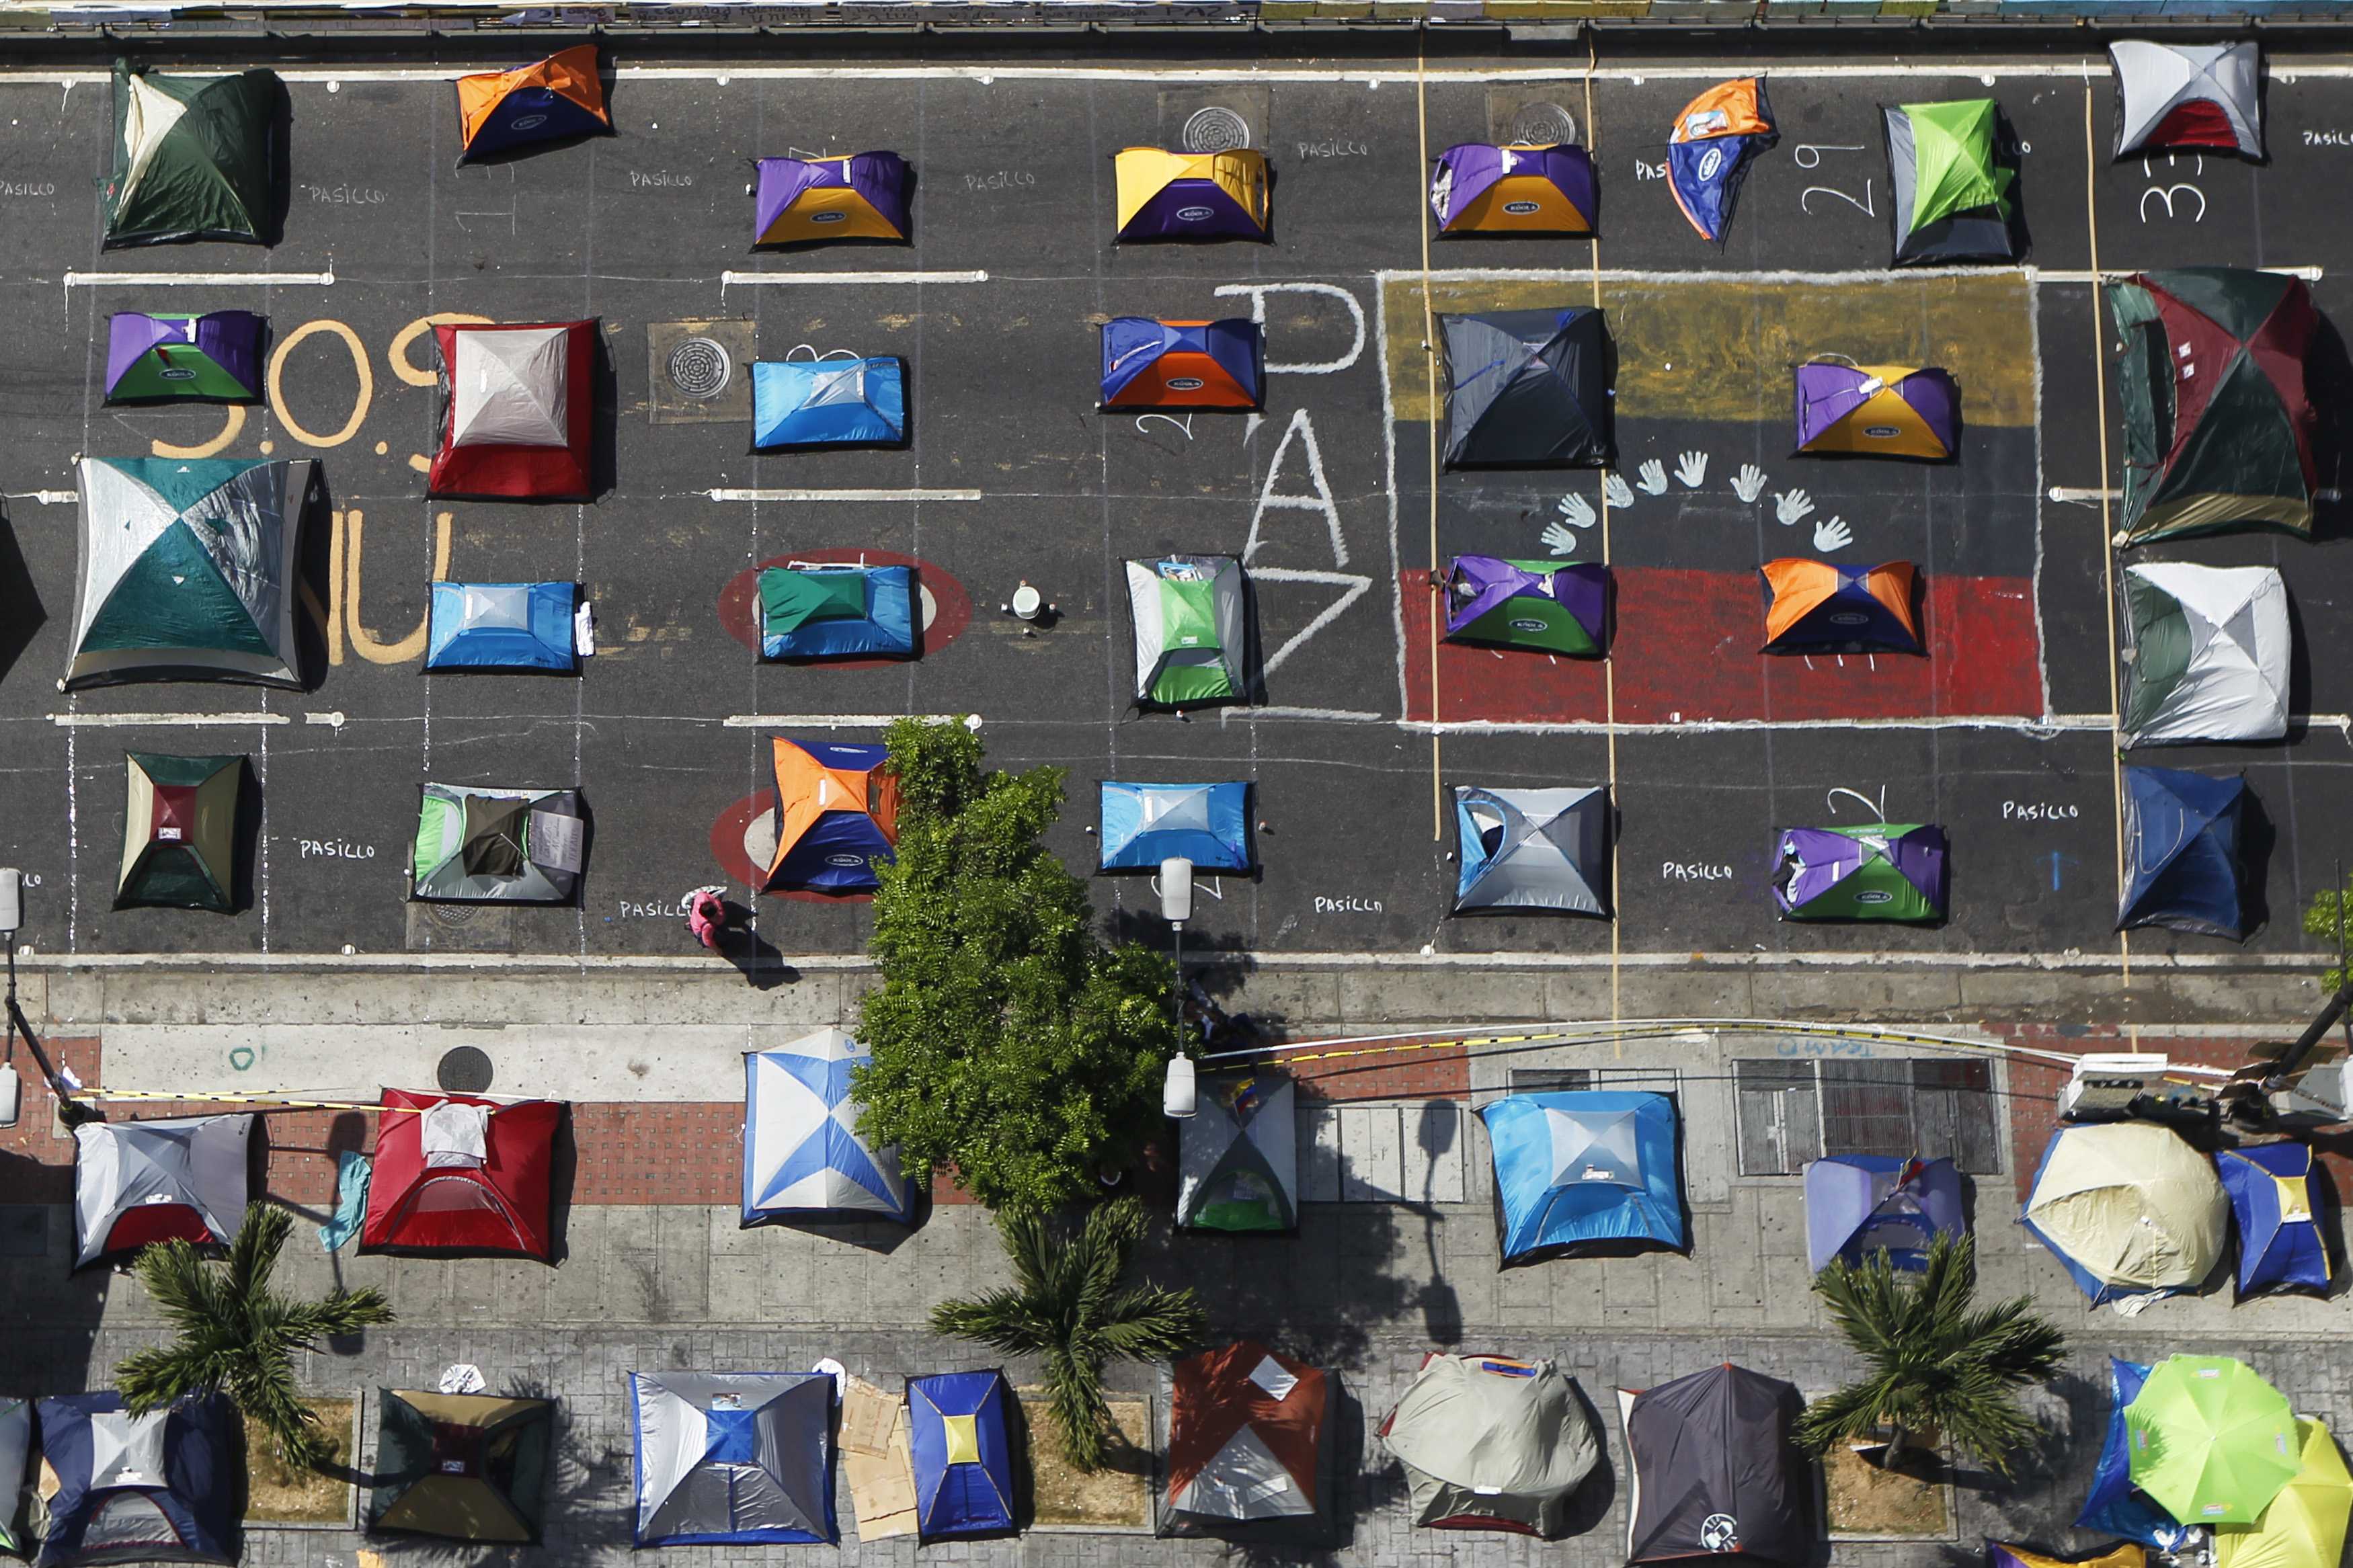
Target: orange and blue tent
x,y
1191,195
1481,188
1183,364
560,96
1816,606
836,816
861,196
1717,137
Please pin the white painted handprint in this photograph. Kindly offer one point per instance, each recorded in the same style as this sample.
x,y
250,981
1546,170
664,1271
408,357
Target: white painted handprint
x,y
1833,533
1692,469
1791,506
1578,510
1616,490
1748,483
1653,481
1559,539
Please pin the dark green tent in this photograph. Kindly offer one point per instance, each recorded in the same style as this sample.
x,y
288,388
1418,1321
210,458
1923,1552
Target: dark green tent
x,y
195,157
2218,423
179,833
466,1467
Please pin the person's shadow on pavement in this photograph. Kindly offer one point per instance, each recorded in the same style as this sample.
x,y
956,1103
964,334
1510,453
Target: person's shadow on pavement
x,y
741,944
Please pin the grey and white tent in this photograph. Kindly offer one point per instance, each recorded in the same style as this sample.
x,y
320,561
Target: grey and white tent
x,y
1191,629
1533,848
507,388
2206,654
733,1457
139,1182
498,846
1489,1443
2180,97
1238,1160
1526,389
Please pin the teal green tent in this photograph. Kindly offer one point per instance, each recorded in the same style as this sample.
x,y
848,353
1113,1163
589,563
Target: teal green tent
x,y
195,157
1191,630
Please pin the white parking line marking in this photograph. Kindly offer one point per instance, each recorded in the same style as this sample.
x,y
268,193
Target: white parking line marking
x,y
754,280
195,279
840,720
144,720
906,495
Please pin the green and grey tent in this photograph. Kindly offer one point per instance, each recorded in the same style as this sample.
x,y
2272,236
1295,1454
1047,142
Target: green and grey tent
x,y
179,833
1191,630
2217,422
466,1467
195,157
1950,164
187,570
2206,654
498,846
1237,1160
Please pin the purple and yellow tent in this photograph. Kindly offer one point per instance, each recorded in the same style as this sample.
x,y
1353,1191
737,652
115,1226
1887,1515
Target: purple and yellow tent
x,y
803,200
1876,410
1482,188
1191,195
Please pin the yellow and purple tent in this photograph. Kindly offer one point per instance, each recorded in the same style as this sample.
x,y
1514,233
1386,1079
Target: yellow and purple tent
x,y
1191,195
800,201
1481,188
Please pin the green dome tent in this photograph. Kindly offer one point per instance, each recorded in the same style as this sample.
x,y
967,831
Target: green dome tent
x,y
1949,165
195,157
179,833
2211,1442
1191,630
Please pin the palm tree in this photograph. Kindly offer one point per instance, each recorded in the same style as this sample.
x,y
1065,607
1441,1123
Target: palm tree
x,y
1936,1365
237,1334
1068,1308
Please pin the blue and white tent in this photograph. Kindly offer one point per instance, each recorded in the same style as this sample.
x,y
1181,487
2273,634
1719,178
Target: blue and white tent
x,y
502,626
2114,1506
727,1456
827,610
1144,824
2181,852
1587,1171
962,1453
802,1153
157,1487
2272,1194
828,403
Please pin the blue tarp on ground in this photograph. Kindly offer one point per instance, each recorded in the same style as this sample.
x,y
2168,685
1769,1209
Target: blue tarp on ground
x,y
1859,1203
825,611
502,626
828,403
1586,1170
1144,824
2114,1508
154,1489
2273,1197
962,1453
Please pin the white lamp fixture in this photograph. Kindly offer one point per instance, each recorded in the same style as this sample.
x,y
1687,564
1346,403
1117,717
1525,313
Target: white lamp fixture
x,y
1176,1094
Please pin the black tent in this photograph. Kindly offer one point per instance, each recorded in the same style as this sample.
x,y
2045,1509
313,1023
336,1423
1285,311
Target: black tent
x,y
1713,1470
1527,389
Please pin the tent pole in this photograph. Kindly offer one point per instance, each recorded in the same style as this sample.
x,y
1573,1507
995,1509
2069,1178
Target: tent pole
x,y
1430,386
2107,534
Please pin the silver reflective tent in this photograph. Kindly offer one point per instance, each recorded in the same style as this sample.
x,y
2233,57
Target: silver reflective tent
x,y
2206,654
733,1457
137,1181
1490,1443
1533,848
2178,97
1238,1160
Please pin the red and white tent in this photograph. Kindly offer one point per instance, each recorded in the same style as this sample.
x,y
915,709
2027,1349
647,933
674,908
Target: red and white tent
x,y
1245,1428
518,404
456,1173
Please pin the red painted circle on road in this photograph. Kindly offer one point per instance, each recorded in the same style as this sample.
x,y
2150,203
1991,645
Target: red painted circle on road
x,y
727,849
947,608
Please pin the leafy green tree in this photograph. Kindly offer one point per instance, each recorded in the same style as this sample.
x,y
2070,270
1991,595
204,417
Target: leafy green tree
x,y
1068,1308
237,1335
1936,1363
1008,1042
2329,919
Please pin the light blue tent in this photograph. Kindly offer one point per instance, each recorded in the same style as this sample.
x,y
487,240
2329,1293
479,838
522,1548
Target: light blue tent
x,y
1144,824
502,626
802,1154
828,403
827,610
1586,1171
962,1453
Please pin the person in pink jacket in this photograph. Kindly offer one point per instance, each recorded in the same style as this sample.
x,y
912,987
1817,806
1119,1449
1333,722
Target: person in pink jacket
x,y
706,917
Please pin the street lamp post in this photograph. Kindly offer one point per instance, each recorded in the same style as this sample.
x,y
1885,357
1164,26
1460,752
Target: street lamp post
x,y
1175,884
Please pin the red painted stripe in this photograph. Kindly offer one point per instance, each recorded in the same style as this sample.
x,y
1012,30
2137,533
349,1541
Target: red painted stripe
x,y
1686,651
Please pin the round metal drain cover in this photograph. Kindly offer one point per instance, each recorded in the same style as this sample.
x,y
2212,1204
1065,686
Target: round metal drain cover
x,y
1216,130
463,1070
1543,125
701,369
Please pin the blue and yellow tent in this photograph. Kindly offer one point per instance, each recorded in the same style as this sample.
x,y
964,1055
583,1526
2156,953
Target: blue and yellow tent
x,y
1183,364
828,403
962,1453
1144,824
2273,1199
1586,1171
827,611
1190,195
502,626
836,816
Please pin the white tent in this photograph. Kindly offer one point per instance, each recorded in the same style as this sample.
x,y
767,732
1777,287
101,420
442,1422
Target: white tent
x,y
510,388
2186,97
136,1182
802,1153
2206,654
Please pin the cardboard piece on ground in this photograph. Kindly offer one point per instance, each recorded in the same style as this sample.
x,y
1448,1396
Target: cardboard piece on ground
x,y
876,1458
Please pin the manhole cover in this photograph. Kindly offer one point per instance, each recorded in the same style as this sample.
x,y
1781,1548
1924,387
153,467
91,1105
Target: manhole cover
x,y
1543,125
1216,130
463,1070
700,368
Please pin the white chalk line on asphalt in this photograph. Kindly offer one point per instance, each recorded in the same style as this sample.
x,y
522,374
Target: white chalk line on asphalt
x,y
197,279
799,495
758,280
149,721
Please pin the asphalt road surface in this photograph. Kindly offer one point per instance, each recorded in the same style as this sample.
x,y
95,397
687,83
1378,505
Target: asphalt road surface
x,y
2002,735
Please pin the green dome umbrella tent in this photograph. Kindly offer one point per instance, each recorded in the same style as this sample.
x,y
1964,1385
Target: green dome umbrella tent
x,y
2211,1442
195,157
2305,1526
1949,165
2206,654
1192,629
187,570
2217,422
179,833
